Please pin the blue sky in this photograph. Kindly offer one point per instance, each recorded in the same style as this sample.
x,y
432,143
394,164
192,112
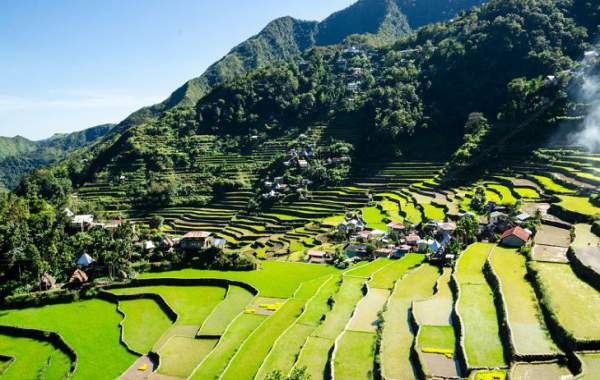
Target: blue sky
x,y
66,65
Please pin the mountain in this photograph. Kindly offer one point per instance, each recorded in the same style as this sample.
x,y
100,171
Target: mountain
x,y
12,146
382,21
410,99
19,155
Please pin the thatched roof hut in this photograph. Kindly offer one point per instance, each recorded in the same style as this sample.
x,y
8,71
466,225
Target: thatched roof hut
x,y
78,277
47,282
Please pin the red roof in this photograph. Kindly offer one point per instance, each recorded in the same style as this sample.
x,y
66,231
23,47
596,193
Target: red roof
x,y
413,238
197,235
518,232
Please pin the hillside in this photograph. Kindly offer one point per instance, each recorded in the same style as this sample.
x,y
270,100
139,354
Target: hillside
x,y
381,20
12,146
423,209
20,156
387,103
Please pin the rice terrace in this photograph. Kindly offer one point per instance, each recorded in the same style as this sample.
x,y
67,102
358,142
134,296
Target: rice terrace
x,y
403,190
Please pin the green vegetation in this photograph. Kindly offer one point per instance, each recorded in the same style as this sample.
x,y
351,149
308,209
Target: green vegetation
x,y
528,329
397,334
477,311
184,300
32,359
386,277
215,363
374,218
572,302
437,338
234,303
551,185
273,279
180,355
579,205
246,362
91,328
143,325
355,356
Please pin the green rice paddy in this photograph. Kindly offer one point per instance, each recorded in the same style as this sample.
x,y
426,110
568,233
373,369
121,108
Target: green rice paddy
x,y
475,305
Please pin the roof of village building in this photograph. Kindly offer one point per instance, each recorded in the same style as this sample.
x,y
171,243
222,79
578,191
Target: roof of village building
x,y
85,260
197,235
315,253
396,226
83,219
448,226
518,232
413,238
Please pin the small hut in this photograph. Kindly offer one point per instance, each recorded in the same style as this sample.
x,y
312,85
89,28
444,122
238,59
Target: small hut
x,y
78,277
47,282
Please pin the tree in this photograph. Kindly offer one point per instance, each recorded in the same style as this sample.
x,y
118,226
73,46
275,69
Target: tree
x,y
296,374
466,230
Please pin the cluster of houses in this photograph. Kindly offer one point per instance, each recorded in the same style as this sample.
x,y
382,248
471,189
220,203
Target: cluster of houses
x,y
430,238
354,75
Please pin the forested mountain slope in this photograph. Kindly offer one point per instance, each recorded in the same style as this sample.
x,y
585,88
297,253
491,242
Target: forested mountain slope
x,y
18,156
381,20
409,100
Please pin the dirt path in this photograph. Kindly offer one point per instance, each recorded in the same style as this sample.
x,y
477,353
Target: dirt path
x,y
134,372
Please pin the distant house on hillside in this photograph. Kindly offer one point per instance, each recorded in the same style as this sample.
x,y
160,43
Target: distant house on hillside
x,y
82,222
515,237
317,257
196,240
396,230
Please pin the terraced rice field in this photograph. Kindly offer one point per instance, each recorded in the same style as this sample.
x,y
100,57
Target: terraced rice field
x,y
574,303
398,337
144,324
528,332
94,338
32,359
477,311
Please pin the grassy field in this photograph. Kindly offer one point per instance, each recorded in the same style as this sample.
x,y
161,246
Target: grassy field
x,y
33,359
144,324
354,357
437,337
482,343
273,279
528,329
367,270
550,184
249,357
234,303
184,300
284,353
397,335
506,195
314,353
387,277
374,218
180,355
91,328
527,193
216,362
580,205
575,304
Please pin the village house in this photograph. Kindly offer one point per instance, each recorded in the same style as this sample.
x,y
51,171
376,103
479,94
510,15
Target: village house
x,y
396,231
515,237
196,241
82,222
318,257
219,243
383,252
